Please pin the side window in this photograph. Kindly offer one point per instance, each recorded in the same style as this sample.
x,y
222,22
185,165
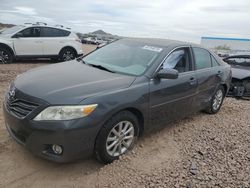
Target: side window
x,y
65,33
31,32
179,60
202,58
214,61
52,32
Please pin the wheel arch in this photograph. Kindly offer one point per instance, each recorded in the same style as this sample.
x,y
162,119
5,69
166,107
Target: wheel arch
x,y
139,117
8,48
225,88
71,47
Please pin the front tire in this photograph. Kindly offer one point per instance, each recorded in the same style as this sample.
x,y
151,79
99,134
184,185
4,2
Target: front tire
x,y
5,56
216,101
116,137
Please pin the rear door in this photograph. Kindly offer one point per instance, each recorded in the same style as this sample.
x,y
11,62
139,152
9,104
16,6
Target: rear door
x,y
173,99
208,74
53,40
29,42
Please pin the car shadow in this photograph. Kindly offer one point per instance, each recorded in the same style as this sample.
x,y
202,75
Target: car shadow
x,y
34,61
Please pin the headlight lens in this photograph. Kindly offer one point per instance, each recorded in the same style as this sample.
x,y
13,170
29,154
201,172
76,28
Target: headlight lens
x,y
65,112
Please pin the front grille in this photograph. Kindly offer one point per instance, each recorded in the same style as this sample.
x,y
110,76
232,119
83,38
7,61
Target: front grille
x,y
19,107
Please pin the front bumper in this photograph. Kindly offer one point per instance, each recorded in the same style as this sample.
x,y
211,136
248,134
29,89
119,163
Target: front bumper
x,y
239,89
77,137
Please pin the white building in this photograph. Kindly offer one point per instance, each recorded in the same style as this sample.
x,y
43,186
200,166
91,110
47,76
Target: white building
x,y
227,45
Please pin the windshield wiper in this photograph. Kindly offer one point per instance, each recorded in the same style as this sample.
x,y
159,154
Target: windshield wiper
x,y
100,67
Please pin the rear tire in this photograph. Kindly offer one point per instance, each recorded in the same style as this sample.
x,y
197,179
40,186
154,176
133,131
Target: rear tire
x,y
5,56
216,102
117,137
67,54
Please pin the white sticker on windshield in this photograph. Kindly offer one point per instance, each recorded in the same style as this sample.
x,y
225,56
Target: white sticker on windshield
x,y
152,48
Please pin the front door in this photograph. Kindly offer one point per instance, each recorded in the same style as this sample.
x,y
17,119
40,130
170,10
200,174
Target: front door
x,y
173,99
28,42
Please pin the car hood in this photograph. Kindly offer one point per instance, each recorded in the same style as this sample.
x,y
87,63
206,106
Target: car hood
x,y
4,36
240,72
69,82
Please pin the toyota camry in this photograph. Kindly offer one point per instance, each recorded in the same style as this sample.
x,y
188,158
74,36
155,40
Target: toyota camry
x,y
101,103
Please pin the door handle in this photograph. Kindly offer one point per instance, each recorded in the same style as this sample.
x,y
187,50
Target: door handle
x,y
219,73
192,81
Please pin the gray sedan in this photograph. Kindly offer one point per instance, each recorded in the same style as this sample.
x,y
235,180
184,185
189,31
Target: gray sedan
x,y
100,103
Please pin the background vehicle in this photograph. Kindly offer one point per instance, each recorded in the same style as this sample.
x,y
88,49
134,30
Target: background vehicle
x,y
240,85
93,40
39,41
115,94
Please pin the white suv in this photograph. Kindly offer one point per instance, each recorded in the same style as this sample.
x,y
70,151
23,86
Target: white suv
x,y
39,41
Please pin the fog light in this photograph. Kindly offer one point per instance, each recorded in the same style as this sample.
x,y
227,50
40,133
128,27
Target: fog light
x,y
57,149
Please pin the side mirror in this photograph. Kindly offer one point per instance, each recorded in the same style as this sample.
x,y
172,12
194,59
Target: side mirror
x,y
18,35
168,74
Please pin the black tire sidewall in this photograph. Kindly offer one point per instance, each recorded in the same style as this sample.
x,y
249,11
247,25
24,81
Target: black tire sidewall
x,y
100,146
9,54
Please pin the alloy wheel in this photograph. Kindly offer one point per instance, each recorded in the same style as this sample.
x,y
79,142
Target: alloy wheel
x,y
68,55
120,138
217,99
4,57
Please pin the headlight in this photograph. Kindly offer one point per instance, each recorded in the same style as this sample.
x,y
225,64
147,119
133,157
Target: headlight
x,y
65,112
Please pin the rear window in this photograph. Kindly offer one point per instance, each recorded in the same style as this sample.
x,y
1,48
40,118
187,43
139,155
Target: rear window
x,y
202,58
214,61
53,32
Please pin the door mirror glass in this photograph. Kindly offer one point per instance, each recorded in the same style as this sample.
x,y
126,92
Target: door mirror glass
x,y
168,74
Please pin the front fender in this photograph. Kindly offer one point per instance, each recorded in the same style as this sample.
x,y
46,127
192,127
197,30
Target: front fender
x,y
8,44
135,97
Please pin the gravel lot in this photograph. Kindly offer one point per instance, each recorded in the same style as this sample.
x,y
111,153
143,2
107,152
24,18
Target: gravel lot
x,y
199,151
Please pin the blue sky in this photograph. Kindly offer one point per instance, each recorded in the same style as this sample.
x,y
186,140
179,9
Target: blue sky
x,y
186,20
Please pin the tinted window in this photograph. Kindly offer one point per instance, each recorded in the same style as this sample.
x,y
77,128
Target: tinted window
x,y
179,60
52,32
202,58
214,61
31,32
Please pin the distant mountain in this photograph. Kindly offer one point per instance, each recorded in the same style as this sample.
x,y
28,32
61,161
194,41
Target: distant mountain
x,y
100,32
2,25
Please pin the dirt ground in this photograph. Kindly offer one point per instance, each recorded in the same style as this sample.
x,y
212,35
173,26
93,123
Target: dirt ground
x,y
199,151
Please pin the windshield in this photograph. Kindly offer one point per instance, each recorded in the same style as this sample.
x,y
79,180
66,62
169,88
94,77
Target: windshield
x,y
12,30
124,57
243,61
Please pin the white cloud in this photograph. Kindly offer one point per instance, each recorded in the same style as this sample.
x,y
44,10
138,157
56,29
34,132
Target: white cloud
x,y
25,10
20,10
182,19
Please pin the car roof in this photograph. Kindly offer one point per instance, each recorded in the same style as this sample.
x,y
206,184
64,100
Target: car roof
x,y
161,42
51,26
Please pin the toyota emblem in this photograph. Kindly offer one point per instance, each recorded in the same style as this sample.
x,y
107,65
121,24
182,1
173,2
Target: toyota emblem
x,y
12,93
